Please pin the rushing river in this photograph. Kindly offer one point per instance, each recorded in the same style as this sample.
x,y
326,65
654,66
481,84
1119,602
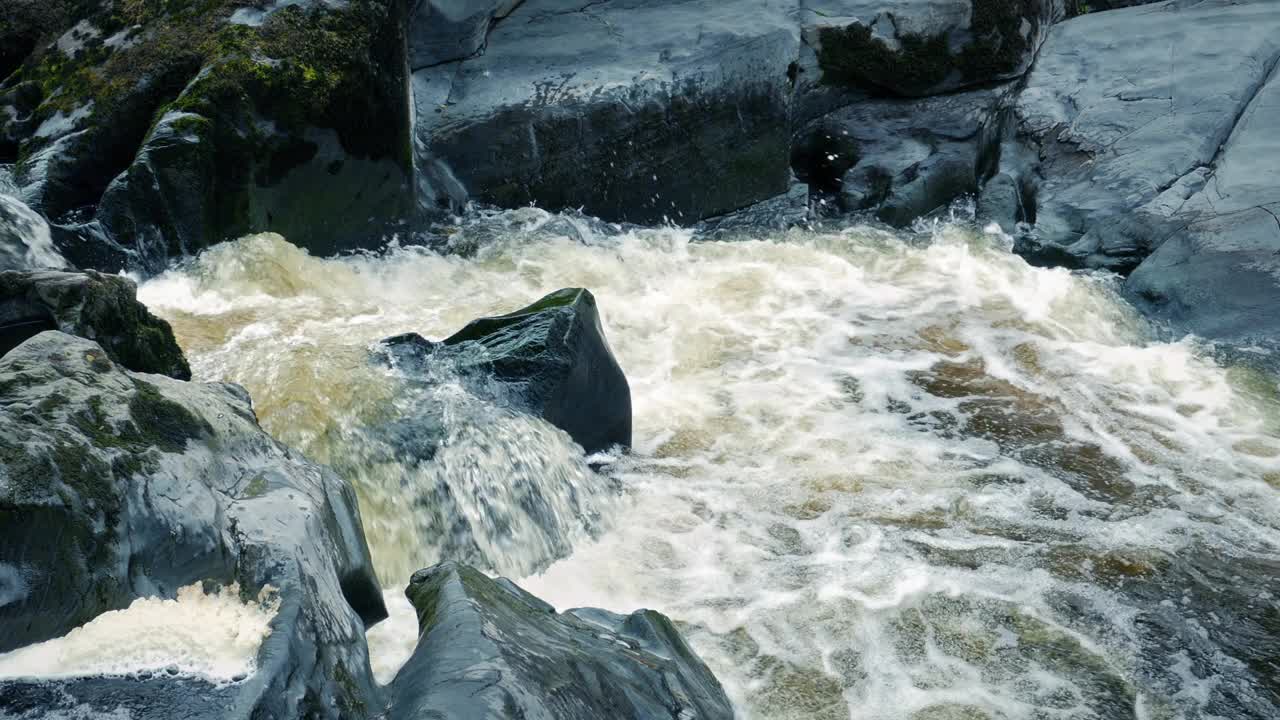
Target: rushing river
x,y
875,475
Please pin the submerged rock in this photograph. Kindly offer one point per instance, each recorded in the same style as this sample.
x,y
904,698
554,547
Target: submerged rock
x,y
117,485
102,308
488,649
550,359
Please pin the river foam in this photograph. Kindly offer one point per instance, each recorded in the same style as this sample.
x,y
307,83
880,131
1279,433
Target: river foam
x,y
875,474
212,636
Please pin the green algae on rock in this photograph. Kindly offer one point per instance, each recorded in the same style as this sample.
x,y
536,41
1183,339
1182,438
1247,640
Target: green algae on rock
x,y
177,125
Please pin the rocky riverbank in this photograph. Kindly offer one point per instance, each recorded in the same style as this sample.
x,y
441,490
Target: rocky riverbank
x,y
1130,139
1139,140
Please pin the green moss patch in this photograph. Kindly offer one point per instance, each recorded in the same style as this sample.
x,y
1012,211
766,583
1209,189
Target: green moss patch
x,y
163,423
336,69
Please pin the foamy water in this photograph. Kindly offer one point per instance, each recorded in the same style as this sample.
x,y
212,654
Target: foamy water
x,y
215,637
874,475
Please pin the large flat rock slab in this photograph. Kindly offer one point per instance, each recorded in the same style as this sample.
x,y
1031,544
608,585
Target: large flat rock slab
x,y
632,110
1126,112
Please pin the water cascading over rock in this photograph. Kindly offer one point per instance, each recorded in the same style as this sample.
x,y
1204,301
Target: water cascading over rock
x,y
117,485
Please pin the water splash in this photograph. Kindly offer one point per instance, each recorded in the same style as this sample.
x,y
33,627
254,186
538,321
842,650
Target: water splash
x,y
875,475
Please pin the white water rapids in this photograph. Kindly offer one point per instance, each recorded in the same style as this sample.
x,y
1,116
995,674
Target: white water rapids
x,y
875,475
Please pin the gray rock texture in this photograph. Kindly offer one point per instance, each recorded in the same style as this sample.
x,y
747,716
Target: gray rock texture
x,y
489,650
116,485
102,308
446,30
1126,131
1218,272
632,110
146,131
925,47
550,359
902,158
1156,155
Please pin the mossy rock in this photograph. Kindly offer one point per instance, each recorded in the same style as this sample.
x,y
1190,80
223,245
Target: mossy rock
x,y
142,99
116,486
103,308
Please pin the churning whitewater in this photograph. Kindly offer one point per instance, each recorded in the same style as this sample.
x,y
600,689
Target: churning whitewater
x,y
875,475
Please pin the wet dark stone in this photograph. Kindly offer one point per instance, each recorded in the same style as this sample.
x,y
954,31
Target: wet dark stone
x,y
489,650
550,359
116,486
102,308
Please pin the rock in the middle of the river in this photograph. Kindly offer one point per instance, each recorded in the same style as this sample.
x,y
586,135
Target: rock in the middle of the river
x,y
488,649
549,359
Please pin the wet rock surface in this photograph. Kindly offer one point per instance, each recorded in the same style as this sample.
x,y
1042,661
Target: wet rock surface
x,y
550,359
901,158
1145,157
117,485
632,111
488,649
25,240
102,308
924,48
150,130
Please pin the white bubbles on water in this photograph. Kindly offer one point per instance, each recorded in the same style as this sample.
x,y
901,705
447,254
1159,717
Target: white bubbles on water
x,y
875,474
212,636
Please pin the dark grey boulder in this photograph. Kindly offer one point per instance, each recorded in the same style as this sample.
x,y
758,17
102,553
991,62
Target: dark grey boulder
x,y
117,485
25,240
1124,116
102,308
902,158
487,649
632,110
550,359
163,205
155,130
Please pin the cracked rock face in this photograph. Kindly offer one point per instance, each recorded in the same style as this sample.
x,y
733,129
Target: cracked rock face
x,y
117,485
489,650
632,111
1156,156
1218,273
1126,132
